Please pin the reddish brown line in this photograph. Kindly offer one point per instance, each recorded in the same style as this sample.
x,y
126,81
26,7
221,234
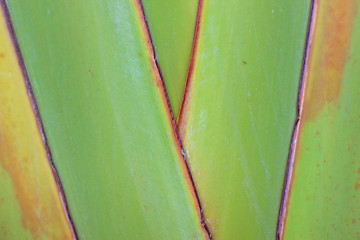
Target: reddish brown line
x,y
295,135
192,60
38,117
171,116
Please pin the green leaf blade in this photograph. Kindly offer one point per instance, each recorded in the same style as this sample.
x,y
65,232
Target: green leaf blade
x,y
240,109
105,116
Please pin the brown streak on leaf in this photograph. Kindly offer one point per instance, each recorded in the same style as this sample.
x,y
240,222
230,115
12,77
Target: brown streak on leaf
x,y
22,152
329,55
329,43
20,168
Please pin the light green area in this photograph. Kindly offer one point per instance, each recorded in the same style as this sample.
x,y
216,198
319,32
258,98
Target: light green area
x,y
242,109
172,27
325,197
105,120
11,226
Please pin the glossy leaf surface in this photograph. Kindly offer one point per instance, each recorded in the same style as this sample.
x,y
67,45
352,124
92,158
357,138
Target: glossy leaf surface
x,y
240,109
30,203
172,27
106,118
325,187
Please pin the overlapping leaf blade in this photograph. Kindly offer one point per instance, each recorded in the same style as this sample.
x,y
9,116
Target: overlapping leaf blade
x,y
106,119
30,201
324,197
172,27
240,109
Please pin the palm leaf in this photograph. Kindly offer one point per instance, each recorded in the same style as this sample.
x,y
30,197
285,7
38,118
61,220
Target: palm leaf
x,y
265,95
